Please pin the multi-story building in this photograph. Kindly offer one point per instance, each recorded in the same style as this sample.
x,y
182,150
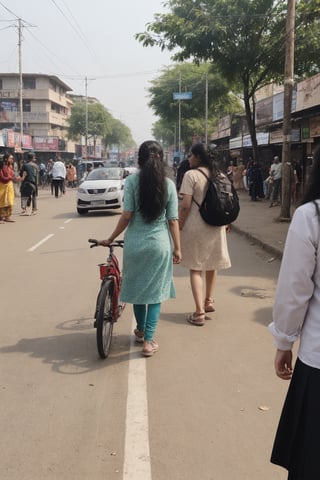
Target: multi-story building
x,y
46,107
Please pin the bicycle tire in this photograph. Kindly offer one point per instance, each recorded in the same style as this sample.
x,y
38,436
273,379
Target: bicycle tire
x,y
104,318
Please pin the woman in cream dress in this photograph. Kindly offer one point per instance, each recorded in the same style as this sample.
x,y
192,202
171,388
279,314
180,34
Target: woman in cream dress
x,y
204,247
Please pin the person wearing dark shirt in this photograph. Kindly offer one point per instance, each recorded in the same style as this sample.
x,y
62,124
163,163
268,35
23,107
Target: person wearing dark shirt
x,y
29,185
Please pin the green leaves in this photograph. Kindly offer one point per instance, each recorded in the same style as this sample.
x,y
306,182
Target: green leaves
x,y
244,39
100,124
193,79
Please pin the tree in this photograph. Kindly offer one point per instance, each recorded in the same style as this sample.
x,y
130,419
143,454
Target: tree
x,y
245,39
119,134
189,77
163,132
99,121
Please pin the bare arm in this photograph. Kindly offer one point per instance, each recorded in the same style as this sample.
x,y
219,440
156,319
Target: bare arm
x,y
184,209
175,234
122,224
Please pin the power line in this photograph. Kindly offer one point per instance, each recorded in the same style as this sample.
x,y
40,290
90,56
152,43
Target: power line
x,y
15,15
76,28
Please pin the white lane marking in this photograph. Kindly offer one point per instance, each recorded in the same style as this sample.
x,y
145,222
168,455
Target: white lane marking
x,y
69,220
32,249
137,452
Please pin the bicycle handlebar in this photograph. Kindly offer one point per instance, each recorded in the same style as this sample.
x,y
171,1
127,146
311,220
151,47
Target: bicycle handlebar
x,y
116,243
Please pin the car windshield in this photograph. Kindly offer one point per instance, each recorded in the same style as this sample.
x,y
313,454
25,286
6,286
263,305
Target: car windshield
x,y
105,174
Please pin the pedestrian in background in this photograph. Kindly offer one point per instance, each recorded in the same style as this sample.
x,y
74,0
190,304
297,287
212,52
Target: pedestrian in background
x,y
256,182
182,169
6,188
296,317
276,175
29,185
150,218
58,177
204,247
71,175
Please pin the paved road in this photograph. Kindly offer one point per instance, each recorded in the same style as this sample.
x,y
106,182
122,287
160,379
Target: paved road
x,y
205,407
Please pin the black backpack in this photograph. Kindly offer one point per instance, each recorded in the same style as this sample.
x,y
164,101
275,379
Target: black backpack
x,y
220,205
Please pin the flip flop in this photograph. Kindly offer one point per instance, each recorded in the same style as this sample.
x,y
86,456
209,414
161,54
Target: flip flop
x,y
9,220
198,320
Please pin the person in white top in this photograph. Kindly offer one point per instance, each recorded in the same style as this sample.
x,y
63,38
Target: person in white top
x,y
296,316
276,175
58,177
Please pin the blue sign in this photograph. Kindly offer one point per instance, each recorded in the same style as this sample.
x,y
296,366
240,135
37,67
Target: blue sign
x,y
182,96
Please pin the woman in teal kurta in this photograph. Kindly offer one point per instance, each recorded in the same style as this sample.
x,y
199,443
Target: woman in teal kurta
x,y
151,242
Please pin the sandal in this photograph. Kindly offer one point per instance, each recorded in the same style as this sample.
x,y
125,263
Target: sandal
x,y
197,319
149,348
139,334
208,305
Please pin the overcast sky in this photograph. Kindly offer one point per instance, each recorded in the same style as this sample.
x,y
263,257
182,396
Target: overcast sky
x,y
75,39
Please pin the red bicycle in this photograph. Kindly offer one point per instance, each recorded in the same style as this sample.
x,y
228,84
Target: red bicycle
x,y
108,308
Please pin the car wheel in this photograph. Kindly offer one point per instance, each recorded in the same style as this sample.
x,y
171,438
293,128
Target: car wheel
x,y
82,211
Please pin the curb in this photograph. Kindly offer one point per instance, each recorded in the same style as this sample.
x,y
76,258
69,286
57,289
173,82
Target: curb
x,y
268,248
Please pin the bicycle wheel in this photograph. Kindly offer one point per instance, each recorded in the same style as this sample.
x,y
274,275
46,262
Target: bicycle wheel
x,y
104,318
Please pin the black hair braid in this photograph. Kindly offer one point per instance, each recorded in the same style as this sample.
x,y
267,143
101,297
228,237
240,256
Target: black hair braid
x,y
152,191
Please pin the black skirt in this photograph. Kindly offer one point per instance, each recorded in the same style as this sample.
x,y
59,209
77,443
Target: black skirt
x,y
297,442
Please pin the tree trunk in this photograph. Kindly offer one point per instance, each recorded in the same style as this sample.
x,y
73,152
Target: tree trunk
x,y
288,87
251,126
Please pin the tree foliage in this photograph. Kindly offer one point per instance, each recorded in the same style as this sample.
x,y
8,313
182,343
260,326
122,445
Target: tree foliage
x,y
100,124
99,120
189,77
119,134
245,39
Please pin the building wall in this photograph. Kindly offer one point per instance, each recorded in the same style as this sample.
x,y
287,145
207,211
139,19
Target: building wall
x,y
48,106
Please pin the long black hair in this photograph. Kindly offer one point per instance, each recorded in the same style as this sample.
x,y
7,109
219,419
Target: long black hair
x,y
206,159
313,188
152,191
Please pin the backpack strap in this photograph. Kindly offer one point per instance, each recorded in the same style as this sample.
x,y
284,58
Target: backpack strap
x,y
208,182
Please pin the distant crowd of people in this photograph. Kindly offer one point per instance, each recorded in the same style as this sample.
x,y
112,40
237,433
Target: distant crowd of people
x,y
26,178
265,183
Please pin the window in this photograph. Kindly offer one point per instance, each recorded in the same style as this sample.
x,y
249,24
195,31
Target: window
x,y
53,85
1,86
26,105
29,83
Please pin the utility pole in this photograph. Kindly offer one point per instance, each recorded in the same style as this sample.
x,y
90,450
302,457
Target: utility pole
x,y
288,88
86,115
20,82
206,111
179,127
86,119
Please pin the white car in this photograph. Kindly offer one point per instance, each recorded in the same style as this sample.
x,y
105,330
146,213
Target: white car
x,y
102,189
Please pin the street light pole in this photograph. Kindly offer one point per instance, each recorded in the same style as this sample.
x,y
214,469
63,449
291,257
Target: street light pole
x,y
86,119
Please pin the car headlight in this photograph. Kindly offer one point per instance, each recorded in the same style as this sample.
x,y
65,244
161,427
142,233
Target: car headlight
x,y
82,190
112,189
